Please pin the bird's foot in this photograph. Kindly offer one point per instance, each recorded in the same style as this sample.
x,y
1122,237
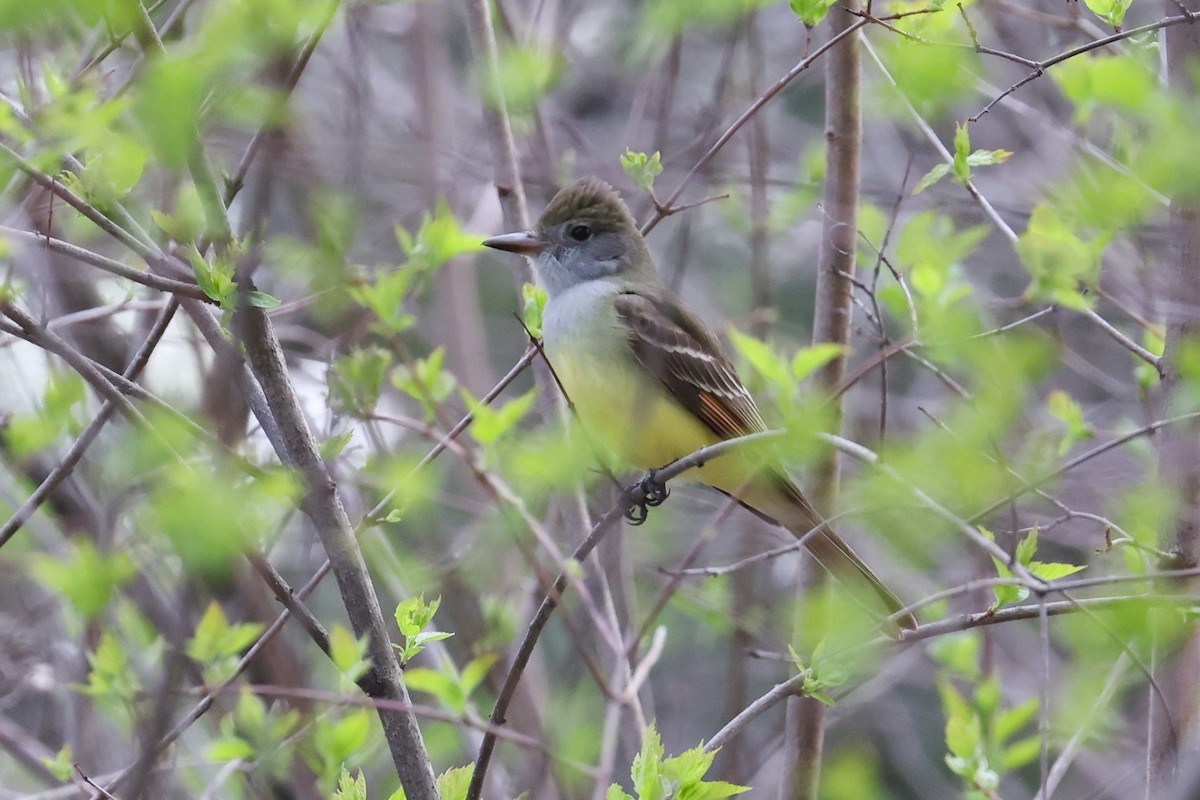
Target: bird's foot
x,y
647,493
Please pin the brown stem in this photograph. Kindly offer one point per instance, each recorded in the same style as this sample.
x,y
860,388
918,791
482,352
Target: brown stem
x,y
323,505
805,735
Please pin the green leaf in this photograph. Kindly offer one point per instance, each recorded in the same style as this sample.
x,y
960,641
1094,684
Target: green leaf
x,y
348,653
192,506
215,279
340,739
645,772
680,777
962,149
214,638
1111,11
186,223
1092,80
453,783
762,358
1011,720
811,12
963,163
350,787
930,178
475,672
959,652
524,75
1067,410
113,169
426,380
167,105
643,169
1153,340
988,158
412,615
229,748
441,684
62,765
1064,267
1021,753
535,307
439,239
964,737
1027,547
386,296
111,679
85,577
29,433
810,359
262,300
492,422
356,379
334,445
931,250
1053,570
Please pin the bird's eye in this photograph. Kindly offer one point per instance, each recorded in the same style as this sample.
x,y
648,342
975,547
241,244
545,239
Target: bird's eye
x,y
580,233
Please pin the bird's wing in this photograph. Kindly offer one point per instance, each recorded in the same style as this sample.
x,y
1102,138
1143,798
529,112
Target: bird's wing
x,y
679,349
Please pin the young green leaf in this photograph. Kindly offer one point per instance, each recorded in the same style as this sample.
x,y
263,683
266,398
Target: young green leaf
x,y
350,787
426,380
86,578
810,359
1064,267
535,306
642,168
348,653
1111,11
811,12
962,149
492,422
765,361
1068,411
412,615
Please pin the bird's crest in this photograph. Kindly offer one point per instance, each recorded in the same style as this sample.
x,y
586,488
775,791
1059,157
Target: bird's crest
x,y
591,199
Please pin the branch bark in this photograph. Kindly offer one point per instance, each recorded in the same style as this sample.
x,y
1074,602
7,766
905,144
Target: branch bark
x,y
805,735
323,505
1179,454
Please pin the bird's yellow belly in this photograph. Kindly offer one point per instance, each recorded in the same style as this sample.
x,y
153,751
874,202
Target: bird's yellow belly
x,y
627,412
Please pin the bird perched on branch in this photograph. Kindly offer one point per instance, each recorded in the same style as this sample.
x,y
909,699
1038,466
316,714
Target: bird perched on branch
x,y
649,379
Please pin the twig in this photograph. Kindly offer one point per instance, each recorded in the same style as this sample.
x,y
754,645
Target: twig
x,y
525,649
737,124
75,454
50,341
499,127
110,265
1038,68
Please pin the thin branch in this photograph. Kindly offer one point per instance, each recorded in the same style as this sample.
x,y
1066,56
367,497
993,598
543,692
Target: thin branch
x,y
149,254
109,265
75,454
50,341
1038,68
738,123
529,641
499,127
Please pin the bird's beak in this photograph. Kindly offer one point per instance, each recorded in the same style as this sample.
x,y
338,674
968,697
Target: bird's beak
x,y
524,243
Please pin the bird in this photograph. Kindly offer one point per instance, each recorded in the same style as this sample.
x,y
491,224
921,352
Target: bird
x,y
647,377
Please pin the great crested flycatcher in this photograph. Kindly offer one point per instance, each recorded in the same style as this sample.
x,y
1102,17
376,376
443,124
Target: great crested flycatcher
x,y
648,378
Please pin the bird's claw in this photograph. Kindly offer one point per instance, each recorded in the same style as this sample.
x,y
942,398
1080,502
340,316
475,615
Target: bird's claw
x,y
647,493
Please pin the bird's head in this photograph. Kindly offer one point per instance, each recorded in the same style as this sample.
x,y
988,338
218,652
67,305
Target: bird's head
x,y
585,234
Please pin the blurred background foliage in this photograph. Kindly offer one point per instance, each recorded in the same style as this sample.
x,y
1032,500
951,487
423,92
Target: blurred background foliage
x,y
1011,305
